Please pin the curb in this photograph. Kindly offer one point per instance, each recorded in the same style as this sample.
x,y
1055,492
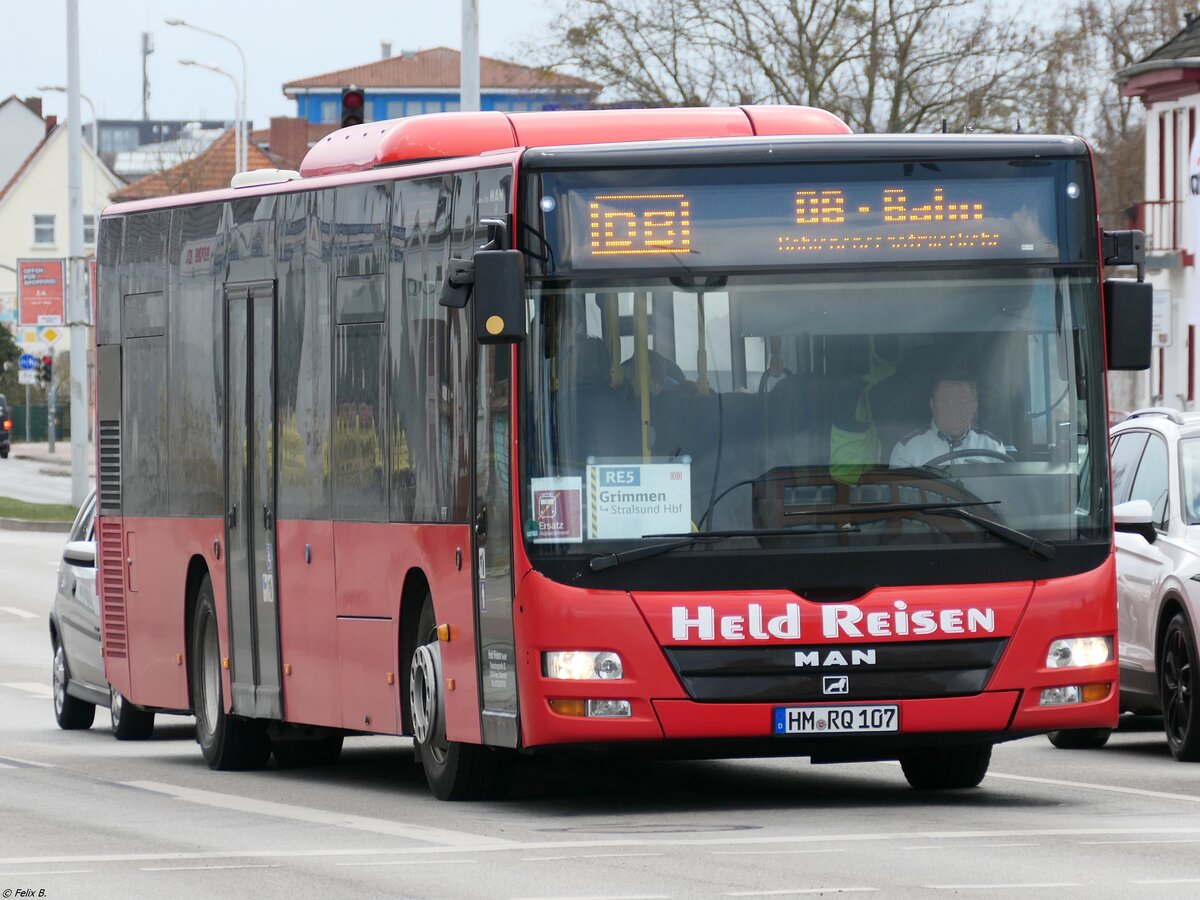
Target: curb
x,y
31,525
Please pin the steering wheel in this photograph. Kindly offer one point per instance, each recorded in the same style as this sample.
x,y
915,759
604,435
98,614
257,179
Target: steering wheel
x,y
966,451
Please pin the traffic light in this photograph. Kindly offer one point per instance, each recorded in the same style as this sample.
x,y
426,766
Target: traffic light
x,y
354,106
46,369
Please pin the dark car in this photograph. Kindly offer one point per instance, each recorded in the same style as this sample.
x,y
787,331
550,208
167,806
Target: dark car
x,y
78,669
5,426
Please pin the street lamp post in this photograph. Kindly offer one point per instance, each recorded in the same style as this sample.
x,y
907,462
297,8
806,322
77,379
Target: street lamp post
x,y
243,162
236,103
95,154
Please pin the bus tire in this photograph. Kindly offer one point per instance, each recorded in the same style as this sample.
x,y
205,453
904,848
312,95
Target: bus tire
x,y
946,768
1179,688
455,771
129,723
71,713
227,742
1080,738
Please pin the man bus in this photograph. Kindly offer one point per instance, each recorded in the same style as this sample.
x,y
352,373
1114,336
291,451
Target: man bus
x,y
463,432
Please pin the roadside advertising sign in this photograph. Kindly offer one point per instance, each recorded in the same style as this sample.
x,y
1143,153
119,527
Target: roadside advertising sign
x,y
40,291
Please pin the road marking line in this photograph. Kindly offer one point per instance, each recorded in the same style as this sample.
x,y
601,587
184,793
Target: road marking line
x,y
206,868
19,613
30,687
795,891
1167,881
776,852
458,839
411,862
1158,795
558,846
1002,887
47,872
23,763
588,856
971,846
1167,841
604,897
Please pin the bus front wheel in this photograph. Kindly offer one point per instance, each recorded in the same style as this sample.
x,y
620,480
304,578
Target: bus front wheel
x,y
227,742
946,768
455,771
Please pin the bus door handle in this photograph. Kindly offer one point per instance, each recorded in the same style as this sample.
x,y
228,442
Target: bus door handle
x,y
481,522
231,517
267,518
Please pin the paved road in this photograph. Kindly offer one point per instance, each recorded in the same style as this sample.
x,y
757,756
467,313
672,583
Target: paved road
x,y
34,480
85,816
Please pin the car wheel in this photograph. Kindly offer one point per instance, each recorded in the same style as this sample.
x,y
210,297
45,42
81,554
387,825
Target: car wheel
x,y
4,453
1080,738
129,723
228,742
71,713
1177,688
946,768
454,771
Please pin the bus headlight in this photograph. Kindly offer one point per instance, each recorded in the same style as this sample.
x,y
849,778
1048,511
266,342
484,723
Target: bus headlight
x,y
582,665
1073,652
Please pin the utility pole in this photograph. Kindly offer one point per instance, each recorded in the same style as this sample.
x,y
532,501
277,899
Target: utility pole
x,y
468,78
147,49
76,303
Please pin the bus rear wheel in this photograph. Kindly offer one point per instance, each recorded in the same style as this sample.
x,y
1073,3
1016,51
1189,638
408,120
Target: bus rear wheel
x,y
227,742
455,771
946,768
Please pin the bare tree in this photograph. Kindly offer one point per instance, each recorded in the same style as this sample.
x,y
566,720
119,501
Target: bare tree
x,y
882,65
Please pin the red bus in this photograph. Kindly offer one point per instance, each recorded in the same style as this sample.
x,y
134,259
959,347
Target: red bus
x,y
700,432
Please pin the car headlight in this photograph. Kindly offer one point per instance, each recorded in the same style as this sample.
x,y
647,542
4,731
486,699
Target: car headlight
x,y
582,665
1074,652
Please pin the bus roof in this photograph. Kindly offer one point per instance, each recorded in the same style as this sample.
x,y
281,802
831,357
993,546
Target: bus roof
x,y
443,135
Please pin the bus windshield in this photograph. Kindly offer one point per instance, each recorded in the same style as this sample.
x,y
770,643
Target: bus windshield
x,y
813,410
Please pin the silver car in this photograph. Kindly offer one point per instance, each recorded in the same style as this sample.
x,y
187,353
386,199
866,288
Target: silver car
x,y
79,683
1156,513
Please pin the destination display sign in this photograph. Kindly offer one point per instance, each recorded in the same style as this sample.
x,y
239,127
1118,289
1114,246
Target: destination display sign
x,y
790,221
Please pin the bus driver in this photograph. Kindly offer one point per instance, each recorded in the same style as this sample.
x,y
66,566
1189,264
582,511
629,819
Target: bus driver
x,y
954,403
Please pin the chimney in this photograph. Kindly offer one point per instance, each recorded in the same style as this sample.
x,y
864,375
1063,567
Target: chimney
x,y
385,49
34,103
50,121
289,140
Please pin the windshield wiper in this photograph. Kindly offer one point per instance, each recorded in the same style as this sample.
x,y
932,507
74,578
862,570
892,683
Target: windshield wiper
x,y
611,560
954,509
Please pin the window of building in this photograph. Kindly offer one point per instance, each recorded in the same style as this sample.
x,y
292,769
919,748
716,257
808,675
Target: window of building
x,y
395,109
43,229
89,228
329,110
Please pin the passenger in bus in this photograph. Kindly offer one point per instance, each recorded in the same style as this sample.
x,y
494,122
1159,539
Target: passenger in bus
x,y
954,404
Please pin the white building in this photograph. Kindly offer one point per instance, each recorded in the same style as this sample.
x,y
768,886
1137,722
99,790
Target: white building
x,y
1167,81
23,128
34,215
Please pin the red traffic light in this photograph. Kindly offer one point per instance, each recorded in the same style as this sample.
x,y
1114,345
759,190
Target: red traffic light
x,y
354,102
47,360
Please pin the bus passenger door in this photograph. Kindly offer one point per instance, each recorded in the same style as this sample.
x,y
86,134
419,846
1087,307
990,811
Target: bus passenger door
x,y
493,546
250,500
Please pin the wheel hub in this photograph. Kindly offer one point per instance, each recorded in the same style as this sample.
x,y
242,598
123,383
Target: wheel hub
x,y
425,693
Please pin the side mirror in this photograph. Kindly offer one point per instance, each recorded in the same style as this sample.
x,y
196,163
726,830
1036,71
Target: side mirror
x,y
81,553
1128,313
1135,517
499,305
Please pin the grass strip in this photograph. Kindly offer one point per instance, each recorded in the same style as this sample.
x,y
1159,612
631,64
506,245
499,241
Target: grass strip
x,y
36,512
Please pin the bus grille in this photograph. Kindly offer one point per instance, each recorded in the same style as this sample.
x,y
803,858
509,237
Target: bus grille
x,y
112,590
836,672
110,468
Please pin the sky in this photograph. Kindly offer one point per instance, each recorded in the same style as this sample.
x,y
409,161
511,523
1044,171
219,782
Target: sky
x,y
283,40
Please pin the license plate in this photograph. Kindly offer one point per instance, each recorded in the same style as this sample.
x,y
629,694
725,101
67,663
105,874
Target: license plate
x,y
837,719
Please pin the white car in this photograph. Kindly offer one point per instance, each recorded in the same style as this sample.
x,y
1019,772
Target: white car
x,y
78,669
1156,513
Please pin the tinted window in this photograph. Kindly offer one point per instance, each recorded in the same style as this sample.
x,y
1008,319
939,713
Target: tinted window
x,y
108,279
1151,481
252,239
194,335
1126,451
305,372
